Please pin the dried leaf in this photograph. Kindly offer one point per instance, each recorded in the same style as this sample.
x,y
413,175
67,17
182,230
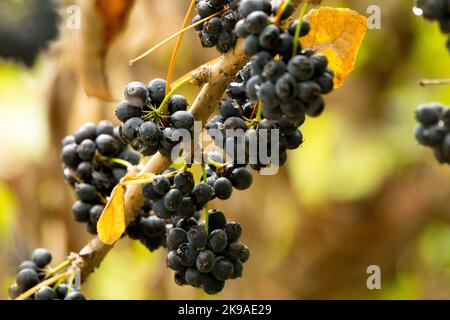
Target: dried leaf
x,y
111,224
336,33
102,21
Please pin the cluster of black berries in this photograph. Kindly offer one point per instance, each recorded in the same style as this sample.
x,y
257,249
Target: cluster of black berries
x,y
205,260
237,115
150,230
218,31
438,10
259,31
292,89
88,168
276,89
177,194
31,273
285,85
148,126
23,41
434,129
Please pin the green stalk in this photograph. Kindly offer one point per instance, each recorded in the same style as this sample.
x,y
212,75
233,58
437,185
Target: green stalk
x,y
57,269
58,283
259,114
215,164
121,162
206,205
171,93
299,28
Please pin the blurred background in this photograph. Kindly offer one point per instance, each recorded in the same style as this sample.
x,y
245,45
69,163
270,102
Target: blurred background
x,y
359,192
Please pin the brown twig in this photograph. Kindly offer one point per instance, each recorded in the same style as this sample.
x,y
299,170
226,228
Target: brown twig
x,y
433,82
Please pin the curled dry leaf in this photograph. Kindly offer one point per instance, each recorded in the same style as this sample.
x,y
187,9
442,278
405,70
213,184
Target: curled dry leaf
x,y
337,33
111,224
101,22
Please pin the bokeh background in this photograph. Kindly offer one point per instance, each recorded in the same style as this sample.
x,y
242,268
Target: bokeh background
x,y
359,192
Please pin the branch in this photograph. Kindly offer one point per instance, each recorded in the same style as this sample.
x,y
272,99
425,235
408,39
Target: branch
x,y
216,77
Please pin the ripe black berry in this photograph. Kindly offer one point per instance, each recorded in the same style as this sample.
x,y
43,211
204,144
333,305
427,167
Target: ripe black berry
x,y
186,208
218,240
233,231
173,199
88,131
157,90
217,220
13,291
107,145
45,293
237,251
212,286
241,178
26,279
301,67
86,192
161,184
177,103
124,111
95,212
182,120
75,295
175,238
41,257
223,188
186,255
172,261
194,277
136,94
197,237
223,269
86,150
184,181
205,261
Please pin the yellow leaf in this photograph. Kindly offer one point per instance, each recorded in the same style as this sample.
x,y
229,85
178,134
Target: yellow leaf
x,y
128,177
336,33
111,224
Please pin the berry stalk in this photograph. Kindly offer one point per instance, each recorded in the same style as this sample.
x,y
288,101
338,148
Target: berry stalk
x,y
57,269
205,180
433,82
176,49
172,92
298,29
48,282
165,41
